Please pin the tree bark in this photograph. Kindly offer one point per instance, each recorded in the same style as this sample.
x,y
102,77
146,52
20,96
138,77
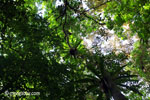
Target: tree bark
x,y
115,92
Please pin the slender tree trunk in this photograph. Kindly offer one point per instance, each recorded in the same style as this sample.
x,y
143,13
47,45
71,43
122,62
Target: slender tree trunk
x,y
115,92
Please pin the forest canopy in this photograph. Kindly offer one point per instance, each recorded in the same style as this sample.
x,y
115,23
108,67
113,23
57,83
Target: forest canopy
x,y
74,50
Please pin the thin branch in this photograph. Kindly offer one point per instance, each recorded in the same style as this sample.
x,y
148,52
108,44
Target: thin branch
x,y
93,19
83,13
66,35
97,6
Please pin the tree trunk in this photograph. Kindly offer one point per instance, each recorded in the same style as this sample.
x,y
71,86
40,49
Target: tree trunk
x,y
115,92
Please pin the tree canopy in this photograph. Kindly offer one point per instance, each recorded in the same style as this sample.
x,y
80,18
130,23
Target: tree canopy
x,y
44,54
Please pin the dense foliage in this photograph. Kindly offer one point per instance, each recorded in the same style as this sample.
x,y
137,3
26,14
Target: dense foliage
x,y
42,50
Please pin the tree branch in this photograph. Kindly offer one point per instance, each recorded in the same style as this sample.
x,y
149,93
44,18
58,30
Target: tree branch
x,y
97,6
83,13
